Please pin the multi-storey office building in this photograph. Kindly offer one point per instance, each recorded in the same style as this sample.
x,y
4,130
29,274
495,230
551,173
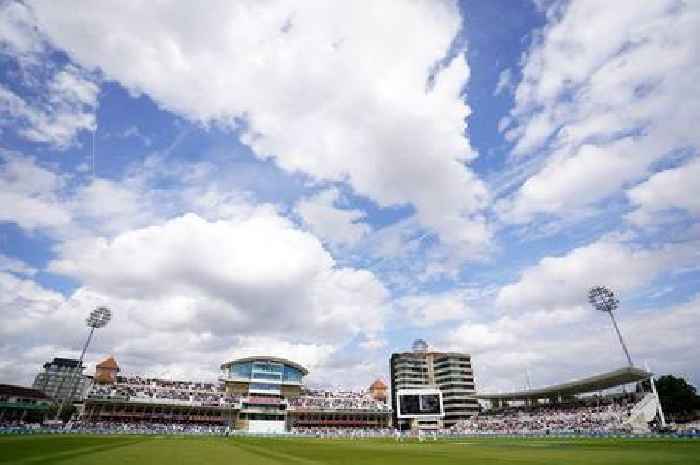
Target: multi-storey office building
x,y
450,372
61,378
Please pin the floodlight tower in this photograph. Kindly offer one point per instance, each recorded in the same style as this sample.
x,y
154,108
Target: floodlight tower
x,y
98,318
603,299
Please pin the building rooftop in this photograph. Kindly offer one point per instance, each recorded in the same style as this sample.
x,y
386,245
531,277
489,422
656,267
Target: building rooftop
x,y
21,391
593,383
108,363
63,362
267,359
421,355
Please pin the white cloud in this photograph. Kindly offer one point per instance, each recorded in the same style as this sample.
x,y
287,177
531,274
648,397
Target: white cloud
x,y
323,89
505,82
563,282
310,356
41,101
108,207
28,194
336,225
15,265
572,343
134,132
190,291
198,273
479,337
612,87
432,308
18,36
64,206
230,276
64,108
24,303
569,184
373,343
671,189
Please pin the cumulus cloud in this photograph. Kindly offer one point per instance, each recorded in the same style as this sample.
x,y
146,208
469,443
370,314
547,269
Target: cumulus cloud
x,y
563,282
38,196
199,272
18,36
15,265
46,103
505,82
28,194
675,189
599,109
557,346
188,290
191,290
310,356
336,225
569,184
24,302
428,309
329,90
229,276
55,116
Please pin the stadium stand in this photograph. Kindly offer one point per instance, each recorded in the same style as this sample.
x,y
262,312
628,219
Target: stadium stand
x,y
329,401
136,400
134,403
126,404
592,416
318,411
21,405
571,407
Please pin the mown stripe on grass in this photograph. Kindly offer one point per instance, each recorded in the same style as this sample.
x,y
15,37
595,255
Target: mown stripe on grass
x,y
278,457
35,457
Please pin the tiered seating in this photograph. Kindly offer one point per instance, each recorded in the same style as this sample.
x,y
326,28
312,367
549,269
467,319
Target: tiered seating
x,y
598,416
154,390
328,401
344,433
105,427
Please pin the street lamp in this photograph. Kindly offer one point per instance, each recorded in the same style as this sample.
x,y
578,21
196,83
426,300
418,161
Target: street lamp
x,y
603,299
98,318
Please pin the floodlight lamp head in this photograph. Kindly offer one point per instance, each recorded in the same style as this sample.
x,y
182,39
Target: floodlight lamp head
x,y
603,299
99,317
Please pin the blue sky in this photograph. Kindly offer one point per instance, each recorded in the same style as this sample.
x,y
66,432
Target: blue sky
x,y
328,183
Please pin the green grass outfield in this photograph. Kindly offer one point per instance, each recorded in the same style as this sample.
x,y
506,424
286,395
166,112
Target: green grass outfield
x,y
176,450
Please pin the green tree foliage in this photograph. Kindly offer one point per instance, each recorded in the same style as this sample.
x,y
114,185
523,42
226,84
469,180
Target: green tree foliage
x,y
68,411
677,396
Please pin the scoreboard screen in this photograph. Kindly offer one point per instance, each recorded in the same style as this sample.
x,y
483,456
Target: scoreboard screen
x,y
418,403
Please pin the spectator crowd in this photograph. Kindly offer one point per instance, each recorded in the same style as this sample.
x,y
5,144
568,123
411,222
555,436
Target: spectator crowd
x,y
329,401
137,389
596,416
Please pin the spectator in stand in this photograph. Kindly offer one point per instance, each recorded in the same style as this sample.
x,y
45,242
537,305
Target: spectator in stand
x,y
591,416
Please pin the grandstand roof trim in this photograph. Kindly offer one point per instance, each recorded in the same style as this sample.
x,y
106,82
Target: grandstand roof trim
x,y
433,353
593,383
21,391
64,362
266,358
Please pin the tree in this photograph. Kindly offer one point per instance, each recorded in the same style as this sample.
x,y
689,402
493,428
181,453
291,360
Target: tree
x,y
66,414
677,396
